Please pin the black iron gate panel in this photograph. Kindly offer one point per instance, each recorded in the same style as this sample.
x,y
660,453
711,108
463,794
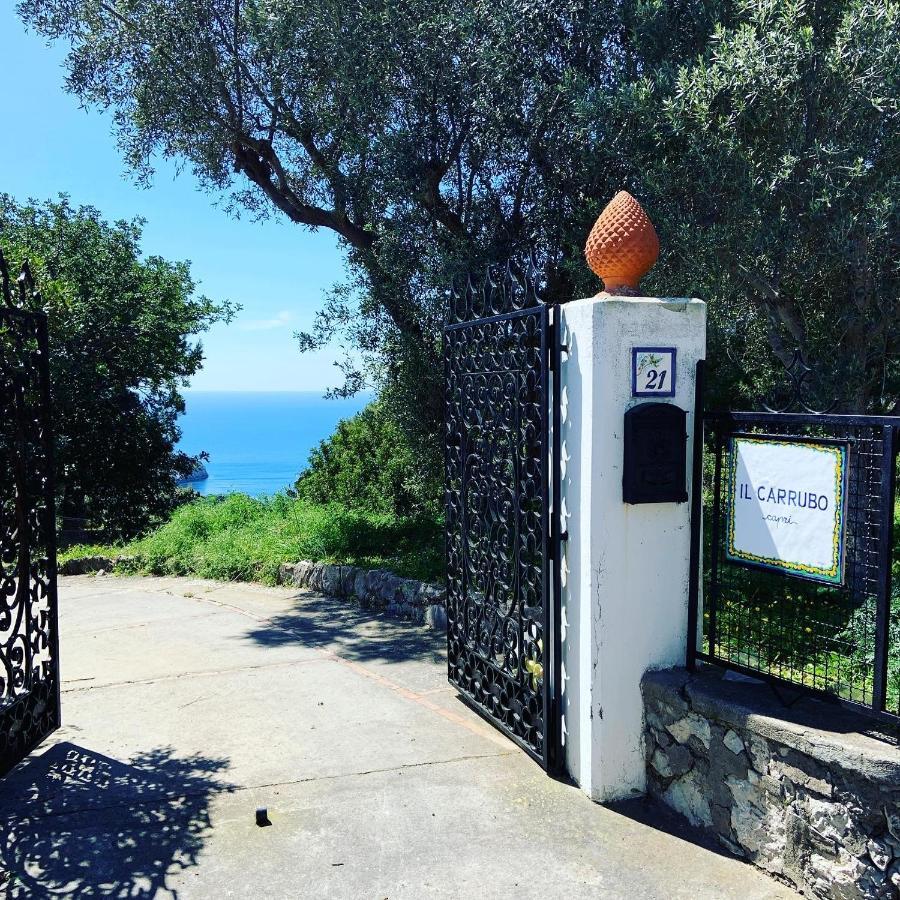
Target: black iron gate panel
x,y
500,623
29,677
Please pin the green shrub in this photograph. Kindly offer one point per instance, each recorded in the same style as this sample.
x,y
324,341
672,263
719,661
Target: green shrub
x,y
368,463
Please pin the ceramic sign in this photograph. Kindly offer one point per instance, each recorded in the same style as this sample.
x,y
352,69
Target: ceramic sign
x,y
786,505
652,371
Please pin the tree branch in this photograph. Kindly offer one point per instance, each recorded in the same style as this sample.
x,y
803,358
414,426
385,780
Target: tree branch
x,y
432,199
784,309
258,161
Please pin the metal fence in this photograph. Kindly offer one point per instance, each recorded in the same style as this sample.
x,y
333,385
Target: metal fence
x,y
833,639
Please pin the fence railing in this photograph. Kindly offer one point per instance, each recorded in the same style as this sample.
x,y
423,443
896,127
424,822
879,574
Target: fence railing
x,y
840,639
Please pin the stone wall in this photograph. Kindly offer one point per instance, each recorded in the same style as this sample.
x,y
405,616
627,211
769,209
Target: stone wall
x,y
377,589
800,791
88,565
402,598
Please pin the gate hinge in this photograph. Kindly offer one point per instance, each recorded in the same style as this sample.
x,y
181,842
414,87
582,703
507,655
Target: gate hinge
x,y
557,542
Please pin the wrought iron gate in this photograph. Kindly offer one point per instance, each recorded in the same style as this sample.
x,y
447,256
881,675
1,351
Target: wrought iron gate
x,y
29,676
501,536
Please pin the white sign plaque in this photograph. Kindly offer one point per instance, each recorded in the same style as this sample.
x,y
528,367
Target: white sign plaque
x,y
786,503
653,371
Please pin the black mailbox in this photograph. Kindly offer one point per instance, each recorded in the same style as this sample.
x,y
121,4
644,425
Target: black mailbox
x,y
655,454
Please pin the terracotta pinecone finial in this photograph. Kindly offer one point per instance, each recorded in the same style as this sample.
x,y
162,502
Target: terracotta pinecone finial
x,y
622,246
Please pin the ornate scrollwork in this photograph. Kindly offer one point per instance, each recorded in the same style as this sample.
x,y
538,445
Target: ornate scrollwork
x,y
504,289
794,399
29,687
498,513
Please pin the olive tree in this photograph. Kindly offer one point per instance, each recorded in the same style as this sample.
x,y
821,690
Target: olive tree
x,y
433,137
775,166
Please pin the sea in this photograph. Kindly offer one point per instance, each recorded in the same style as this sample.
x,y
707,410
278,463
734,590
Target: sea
x,y
258,442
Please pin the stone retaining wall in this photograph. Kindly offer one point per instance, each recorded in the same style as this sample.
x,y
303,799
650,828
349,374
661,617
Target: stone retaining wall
x,y
378,589
799,790
88,565
402,598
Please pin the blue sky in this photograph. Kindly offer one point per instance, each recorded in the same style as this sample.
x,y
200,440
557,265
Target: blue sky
x,y
277,271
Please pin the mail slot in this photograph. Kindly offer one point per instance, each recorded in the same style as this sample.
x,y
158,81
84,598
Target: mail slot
x,y
655,468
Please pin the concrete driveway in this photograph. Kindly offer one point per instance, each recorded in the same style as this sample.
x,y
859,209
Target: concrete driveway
x,y
188,704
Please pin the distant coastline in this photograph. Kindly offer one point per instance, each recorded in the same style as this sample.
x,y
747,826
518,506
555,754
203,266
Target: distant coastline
x,y
198,473
258,441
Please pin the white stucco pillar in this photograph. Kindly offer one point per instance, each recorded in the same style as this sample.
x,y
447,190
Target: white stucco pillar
x,y
625,567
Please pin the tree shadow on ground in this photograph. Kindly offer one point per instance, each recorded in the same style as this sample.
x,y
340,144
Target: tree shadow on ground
x,y
76,824
359,634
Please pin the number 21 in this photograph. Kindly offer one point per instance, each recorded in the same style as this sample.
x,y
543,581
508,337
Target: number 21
x,y
652,384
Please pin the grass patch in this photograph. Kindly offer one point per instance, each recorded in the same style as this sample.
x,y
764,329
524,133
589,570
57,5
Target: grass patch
x,y
239,538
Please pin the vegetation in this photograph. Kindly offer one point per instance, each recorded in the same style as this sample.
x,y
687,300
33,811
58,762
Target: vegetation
x,y
237,538
811,634
858,635
369,464
808,637
363,500
761,136
122,332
